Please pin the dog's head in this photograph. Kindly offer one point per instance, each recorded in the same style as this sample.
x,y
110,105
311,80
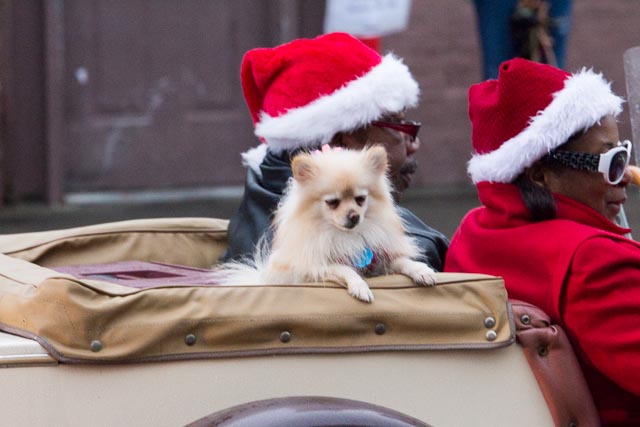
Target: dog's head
x,y
339,186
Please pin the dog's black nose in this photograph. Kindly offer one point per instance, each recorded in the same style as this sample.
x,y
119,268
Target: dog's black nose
x,y
352,219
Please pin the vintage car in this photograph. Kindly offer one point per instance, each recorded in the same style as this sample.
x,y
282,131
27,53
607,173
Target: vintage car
x,y
122,324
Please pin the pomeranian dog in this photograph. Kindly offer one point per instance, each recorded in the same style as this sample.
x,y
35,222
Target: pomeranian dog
x,y
336,222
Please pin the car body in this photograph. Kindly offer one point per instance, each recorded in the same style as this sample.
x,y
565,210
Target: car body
x,y
165,346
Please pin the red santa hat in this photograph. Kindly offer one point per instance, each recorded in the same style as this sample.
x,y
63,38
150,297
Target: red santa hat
x,y
300,94
528,111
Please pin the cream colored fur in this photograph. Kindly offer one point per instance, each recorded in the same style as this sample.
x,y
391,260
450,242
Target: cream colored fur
x,y
338,204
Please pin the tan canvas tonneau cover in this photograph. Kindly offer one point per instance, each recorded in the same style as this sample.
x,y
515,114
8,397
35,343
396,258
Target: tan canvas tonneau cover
x,y
98,321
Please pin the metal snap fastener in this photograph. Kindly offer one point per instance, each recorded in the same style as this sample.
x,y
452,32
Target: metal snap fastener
x,y
491,335
543,350
285,336
525,319
489,322
190,339
96,346
380,329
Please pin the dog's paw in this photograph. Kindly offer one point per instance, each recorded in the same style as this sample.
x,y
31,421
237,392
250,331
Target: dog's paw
x,y
360,290
419,272
424,276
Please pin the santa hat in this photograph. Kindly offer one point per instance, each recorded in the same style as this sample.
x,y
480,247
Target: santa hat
x,y
528,111
300,94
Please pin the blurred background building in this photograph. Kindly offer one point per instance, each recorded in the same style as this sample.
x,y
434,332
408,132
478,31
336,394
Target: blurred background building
x,y
111,103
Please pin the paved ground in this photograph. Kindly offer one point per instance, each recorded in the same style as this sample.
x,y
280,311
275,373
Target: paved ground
x,y
442,210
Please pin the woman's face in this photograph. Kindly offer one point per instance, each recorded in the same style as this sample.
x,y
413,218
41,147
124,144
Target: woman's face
x,y
590,188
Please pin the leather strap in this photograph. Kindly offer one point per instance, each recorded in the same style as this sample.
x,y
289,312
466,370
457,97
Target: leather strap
x,y
555,367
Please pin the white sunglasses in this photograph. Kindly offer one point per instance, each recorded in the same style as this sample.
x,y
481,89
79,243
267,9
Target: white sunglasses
x,y
611,164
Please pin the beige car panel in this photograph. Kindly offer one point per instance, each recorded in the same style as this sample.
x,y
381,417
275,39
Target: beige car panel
x,y
447,355
442,388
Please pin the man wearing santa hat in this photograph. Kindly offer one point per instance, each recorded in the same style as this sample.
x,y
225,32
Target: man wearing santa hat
x,y
329,90
552,175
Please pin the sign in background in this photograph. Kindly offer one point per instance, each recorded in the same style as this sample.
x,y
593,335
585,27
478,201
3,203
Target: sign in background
x,y
367,18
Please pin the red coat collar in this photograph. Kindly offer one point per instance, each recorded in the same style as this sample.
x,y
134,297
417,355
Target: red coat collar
x,y
505,206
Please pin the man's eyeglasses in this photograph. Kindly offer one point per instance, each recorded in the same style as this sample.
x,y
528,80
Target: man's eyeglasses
x,y
611,164
405,126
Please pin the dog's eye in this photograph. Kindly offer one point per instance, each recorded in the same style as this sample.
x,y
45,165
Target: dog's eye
x,y
333,203
360,200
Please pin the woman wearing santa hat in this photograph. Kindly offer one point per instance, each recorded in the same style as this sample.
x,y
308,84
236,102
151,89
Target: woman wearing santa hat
x,y
334,90
552,175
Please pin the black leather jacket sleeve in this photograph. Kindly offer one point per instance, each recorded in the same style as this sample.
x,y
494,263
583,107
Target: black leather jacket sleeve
x,y
432,243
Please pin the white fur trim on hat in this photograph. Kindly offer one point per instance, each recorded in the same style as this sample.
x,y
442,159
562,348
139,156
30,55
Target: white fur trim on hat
x,y
386,88
584,100
252,158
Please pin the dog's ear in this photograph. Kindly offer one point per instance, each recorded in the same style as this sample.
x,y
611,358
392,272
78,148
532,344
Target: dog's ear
x,y
303,167
377,158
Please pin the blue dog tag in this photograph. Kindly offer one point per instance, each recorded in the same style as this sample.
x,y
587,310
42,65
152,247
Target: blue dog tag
x,y
365,258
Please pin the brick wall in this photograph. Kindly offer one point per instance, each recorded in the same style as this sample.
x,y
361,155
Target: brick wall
x,y
442,49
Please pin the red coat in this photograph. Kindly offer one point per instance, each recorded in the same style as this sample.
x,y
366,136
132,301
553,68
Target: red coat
x,y
580,269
